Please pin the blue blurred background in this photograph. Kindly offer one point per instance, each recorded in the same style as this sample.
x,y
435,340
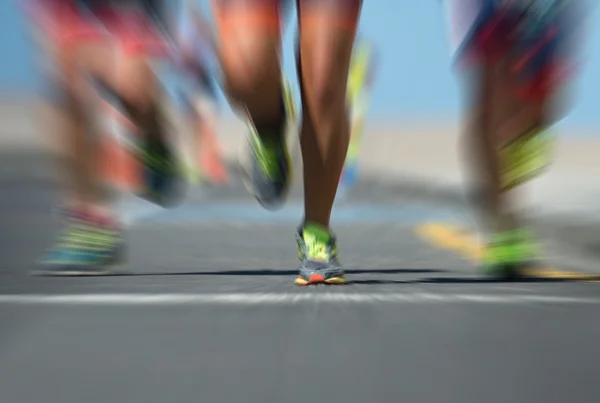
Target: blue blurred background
x,y
414,79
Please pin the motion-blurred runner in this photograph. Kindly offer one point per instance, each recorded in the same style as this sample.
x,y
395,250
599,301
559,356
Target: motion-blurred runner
x,y
519,57
107,44
360,84
197,60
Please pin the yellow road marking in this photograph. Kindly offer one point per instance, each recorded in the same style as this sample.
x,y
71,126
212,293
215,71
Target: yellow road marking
x,y
450,237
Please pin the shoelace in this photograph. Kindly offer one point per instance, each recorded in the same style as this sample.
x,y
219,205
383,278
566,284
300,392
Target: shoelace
x,y
314,249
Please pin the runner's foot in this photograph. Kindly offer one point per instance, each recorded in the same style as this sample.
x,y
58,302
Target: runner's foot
x,y
509,253
89,246
270,173
317,251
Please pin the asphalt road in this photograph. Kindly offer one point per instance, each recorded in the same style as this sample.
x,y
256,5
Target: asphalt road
x,y
207,312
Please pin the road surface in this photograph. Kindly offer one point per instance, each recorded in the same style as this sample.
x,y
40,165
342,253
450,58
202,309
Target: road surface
x,y
207,310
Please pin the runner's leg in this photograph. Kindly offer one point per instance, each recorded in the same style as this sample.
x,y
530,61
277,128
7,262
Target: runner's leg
x,y
327,30
511,106
249,52
208,152
91,242
144,34
481,46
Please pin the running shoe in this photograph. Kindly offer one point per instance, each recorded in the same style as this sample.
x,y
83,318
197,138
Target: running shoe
x,y
319,260
509,253
270,173
87,247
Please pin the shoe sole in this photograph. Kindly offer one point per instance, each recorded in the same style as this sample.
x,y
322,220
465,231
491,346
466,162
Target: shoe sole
x,y
75,273
315,279
507,272
106,268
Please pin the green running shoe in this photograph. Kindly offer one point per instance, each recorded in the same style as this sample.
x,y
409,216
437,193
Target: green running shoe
x,y
85,248
508,253
270,172
319,259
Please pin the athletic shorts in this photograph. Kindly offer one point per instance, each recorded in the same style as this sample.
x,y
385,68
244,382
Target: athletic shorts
x,y
540,39
137,25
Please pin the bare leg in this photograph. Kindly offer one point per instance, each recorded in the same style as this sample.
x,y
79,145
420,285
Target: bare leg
x,y
327,32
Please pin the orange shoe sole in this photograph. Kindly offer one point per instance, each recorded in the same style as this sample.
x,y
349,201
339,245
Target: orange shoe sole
x,y
319,279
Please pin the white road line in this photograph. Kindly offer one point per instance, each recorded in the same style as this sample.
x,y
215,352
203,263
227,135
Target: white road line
x,y
282,298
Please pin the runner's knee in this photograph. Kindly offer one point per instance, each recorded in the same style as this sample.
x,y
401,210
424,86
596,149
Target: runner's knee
x,y
324,82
